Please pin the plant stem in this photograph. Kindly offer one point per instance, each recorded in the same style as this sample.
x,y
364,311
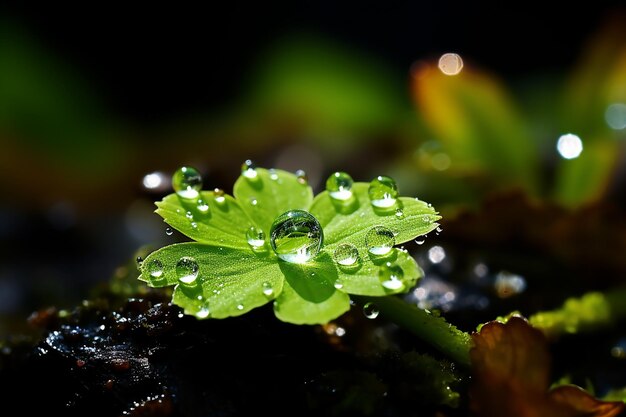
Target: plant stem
x,y
443,336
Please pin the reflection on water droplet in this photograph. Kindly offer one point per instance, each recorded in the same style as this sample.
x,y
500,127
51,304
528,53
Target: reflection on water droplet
x,y
267,289
169,231
194,225
248,170
187,270
383,192
273,174
339,186
187,182
239,307
155,268
390,276
346,254
254,201
255,237
399,213
379,240
302,177
203,207
296,236
219,195
370,310
420,241
189,215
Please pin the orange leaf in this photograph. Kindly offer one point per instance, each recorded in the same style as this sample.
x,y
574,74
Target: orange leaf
x,y
511,366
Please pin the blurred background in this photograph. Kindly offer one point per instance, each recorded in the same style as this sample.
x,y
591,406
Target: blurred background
x,y
99,105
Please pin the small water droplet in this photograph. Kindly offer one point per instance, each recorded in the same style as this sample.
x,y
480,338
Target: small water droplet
x,y
203,207
339,186
399,213
420,241
338,284
390,276
268,291
239,307
371,311
254,201
139,260
438,230
187,182
426,218
189,215
346,254
379,240
220,197
203,313
194,225
155,268
187,270
248,170
296,236
273,174
169,231
383,192
302,177
255,237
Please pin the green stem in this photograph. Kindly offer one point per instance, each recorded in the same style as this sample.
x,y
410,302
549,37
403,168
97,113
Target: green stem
x,y
443,336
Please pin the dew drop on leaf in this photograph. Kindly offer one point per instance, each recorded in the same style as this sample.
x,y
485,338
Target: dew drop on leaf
x,y
339,186
370,310
273,174
302,177
338,284
254,201
267,289
155,268
187,182
203,313
399,213
248,170
189,215
346,254
255,237
390,276
379,240
219,196
383,192
187,270
194,225
296,236
239,307
202,206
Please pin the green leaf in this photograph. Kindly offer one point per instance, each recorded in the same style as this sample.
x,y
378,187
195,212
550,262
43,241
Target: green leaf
x,y
230,281
309,295
224,224
350,223
365,277
270,194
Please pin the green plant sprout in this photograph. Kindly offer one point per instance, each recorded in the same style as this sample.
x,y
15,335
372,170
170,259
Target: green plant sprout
x,y
275,242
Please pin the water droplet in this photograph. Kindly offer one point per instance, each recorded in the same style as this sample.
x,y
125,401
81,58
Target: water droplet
x,y
169,231
203,313
155,268
255,237
383,192
302,177
426,218
139,260
189,215
273,174
438,230
346,254
187,182
339,186
268,291
338,284
254,201
296,236
239,307
399,213
187,270
371,311
248,170
194,225
391,276
219,195
379,240
420,241
203,207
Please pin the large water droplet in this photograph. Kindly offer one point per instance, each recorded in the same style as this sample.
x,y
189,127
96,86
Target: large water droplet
x,y
187,182
370,310
296,236
248,170
302,177
391,276
255,237
346,254
339,186
187,270
383,192
379,240
155,268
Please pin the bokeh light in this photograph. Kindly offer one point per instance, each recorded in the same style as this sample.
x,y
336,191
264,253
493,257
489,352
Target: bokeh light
x,y
569,146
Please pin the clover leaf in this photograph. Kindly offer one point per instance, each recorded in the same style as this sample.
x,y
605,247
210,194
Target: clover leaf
x,y
275,242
